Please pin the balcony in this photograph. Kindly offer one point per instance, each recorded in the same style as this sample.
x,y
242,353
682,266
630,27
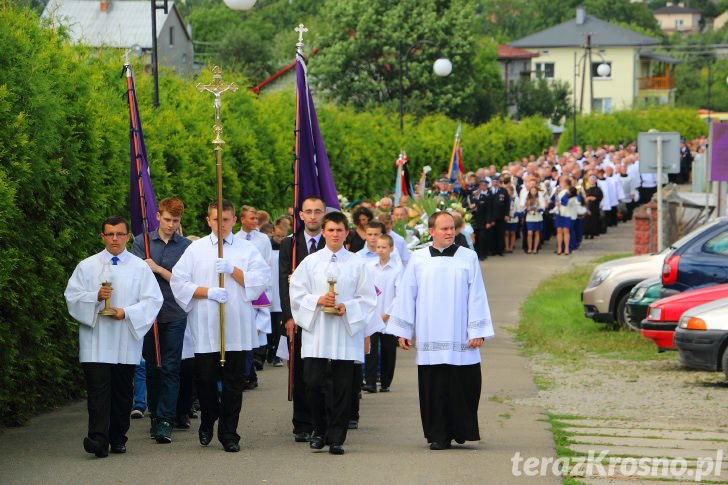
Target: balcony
x,y
660,83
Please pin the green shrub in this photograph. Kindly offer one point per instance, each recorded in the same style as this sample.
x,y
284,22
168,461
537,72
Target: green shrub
x,y
598,128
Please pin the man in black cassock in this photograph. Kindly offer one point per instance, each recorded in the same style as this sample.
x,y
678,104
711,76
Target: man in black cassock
x,y
441,299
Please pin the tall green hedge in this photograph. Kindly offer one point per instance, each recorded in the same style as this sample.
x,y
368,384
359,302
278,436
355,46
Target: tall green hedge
x,y
597,128
64,158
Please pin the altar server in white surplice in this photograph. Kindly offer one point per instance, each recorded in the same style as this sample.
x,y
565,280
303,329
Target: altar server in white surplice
x,y
441,299
111,346
331,341
195,287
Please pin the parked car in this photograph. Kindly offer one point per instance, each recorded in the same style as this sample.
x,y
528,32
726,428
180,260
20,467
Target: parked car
x,y
698,259
664,314
605,297
643,293
702,337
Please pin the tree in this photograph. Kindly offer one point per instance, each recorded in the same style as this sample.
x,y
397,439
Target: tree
x,y
550,100
359,59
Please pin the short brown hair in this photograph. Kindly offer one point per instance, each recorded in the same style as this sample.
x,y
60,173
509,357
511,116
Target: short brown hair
x,y
174,206
376,225
388,238
226,206
336,218
433,218
247,208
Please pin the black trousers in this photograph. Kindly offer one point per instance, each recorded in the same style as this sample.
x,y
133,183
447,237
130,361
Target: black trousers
x,y
186,387
226,405
356,392
110,389
498,237
330,421
481,243
383,345
449,398
302,420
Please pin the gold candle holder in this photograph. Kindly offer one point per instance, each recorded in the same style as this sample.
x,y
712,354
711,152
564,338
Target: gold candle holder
x,y
331,309
107,311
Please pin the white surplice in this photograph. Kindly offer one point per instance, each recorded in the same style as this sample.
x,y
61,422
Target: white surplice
x,y
135,289
326,335
196,268
442,301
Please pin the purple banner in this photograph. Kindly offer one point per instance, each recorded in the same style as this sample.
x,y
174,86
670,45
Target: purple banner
x,y
719,152
314,172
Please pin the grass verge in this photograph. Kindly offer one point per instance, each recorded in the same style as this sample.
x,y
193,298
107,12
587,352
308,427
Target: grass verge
x,y
553,322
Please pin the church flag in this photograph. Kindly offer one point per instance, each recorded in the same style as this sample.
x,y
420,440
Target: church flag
x,y
313,173
403,185
142,201
456,159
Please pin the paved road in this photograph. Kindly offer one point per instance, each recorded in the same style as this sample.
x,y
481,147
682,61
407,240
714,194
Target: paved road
x,y
389,446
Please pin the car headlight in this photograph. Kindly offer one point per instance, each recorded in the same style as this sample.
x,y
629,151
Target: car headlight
x,y
598,277
640,293
683,323
655,313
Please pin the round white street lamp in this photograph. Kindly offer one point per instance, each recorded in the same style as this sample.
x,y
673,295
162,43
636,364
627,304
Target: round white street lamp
x,y
603,70
442,67
240,4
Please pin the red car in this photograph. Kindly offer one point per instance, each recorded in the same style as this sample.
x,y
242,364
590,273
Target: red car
x,y
663,315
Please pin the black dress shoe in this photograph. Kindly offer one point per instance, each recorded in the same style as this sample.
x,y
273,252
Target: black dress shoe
x,y
93,446
460,442
440,445
336,449
231,447
302,437
205,436
317,442
118,448
182,422
384,389
370,389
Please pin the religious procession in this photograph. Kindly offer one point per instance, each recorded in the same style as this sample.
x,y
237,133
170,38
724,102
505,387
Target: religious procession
x,y
334,290
204,312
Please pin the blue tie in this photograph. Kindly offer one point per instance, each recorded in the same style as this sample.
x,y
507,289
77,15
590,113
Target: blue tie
x,y
114,261
312,246
249,236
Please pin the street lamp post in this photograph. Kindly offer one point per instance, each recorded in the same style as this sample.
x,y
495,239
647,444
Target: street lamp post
x,y
603,71
155,62
442,67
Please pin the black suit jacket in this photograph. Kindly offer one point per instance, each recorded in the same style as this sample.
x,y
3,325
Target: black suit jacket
x,y
285,256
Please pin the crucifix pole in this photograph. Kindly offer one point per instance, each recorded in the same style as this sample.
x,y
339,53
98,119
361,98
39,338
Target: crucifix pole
x,y
217,88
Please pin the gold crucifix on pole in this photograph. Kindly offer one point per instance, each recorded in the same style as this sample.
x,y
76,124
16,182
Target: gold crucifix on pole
x,y
217,88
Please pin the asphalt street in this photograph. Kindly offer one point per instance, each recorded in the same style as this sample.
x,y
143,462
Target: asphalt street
x,y
389,445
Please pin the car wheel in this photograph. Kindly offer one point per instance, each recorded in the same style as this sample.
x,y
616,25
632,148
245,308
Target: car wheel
x,y
622,316
724,361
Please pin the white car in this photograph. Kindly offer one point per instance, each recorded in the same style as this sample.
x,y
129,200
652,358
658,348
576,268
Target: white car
x,y
606,295
702,337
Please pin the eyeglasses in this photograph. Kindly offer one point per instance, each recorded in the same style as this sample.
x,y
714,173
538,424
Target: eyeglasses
x,y
112,235
310,212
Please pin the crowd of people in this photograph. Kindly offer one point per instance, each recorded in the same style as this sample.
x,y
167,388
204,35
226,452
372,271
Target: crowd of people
x,y
576,195
335,299
328,291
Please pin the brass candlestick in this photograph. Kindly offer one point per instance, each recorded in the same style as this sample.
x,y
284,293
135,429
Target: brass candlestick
x,y
331,309
107,311
332,275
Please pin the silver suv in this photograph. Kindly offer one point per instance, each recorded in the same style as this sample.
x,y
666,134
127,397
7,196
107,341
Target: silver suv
x,y
606,295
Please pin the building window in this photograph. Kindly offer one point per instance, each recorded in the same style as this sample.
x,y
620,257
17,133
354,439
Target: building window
x,y
544,70
602,105
678,23
171,35
595,68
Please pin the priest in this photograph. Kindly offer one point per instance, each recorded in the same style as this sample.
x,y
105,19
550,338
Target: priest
x,y
334,325
195,286
441,299
111,346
